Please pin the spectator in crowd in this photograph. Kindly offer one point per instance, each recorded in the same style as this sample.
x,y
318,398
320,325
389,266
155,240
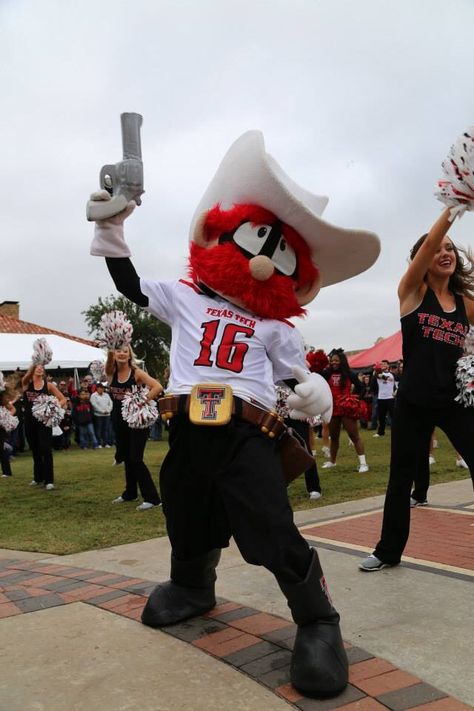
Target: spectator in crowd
x,y
66,425
436,308
345,389
367,396
82,415
385,395
102,408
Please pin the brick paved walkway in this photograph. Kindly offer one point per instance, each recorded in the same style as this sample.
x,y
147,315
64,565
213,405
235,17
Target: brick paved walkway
x,y
443,537
255,643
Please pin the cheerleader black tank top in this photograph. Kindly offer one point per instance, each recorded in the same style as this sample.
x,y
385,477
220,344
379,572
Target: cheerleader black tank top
x,y
433,341
118,390
29,397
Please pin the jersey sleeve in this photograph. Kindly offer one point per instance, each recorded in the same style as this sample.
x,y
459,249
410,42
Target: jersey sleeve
x,y
286,350
160,298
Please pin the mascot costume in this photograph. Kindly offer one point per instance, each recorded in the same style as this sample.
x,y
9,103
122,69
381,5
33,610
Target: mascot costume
x,y
259,252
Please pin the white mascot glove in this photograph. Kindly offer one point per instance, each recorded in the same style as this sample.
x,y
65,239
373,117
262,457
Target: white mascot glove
x,y
108,234
312,396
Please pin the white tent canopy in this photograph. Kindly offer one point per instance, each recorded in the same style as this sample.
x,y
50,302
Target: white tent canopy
x,y
16,350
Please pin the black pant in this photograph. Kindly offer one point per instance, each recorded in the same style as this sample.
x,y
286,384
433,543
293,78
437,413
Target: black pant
x,y
132,446
385,407
311,475
421,482
4,455
411,433
40,441
219,482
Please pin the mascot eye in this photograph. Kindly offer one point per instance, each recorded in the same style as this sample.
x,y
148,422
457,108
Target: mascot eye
x,y
249,237
284,258
260,239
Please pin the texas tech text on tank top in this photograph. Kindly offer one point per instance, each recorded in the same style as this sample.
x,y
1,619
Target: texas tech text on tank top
x,y
433,341
118,390
30,395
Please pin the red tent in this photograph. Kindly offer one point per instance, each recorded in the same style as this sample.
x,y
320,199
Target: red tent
x,y
387,349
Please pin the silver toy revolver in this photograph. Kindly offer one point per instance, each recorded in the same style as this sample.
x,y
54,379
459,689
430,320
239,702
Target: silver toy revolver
x,y
124,180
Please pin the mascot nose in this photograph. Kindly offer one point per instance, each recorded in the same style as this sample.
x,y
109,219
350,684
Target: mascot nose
x,y
261,267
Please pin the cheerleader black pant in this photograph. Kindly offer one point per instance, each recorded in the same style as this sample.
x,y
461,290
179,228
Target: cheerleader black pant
x,y
311,475
4,455
411,432
131,444
218,482
40,441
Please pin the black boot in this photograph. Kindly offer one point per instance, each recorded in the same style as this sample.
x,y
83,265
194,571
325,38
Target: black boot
x,y
319,665
190,591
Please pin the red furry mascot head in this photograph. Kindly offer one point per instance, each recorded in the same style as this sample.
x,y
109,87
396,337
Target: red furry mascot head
x,y
257,238
255,261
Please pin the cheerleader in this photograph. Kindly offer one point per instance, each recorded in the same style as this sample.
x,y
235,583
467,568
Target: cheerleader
x,y
7,424
436,308
122,374
39,436
344,386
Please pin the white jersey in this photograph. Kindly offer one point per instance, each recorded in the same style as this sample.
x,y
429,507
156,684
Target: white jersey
x,y
385,382
214,341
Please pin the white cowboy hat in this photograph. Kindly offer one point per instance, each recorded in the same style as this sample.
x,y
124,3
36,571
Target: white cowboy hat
x,y
247,174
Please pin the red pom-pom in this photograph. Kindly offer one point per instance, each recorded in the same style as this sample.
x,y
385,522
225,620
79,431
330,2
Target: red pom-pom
x,y
317,361
351,406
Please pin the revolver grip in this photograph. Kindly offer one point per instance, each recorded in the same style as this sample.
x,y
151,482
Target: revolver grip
x,y
104,209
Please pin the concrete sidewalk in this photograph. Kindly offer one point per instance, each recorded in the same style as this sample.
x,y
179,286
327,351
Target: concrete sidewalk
x,y
79,656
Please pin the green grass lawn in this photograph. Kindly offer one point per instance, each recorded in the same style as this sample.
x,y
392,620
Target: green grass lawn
x,y
78,515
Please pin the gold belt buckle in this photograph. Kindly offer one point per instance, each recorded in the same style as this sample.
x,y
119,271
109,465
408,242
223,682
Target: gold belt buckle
x,y
210,404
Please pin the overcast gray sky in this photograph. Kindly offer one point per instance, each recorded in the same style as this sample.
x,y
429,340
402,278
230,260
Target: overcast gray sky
x,y
359,101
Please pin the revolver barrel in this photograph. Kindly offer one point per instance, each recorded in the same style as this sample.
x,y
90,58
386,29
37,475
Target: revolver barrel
x,y
131,142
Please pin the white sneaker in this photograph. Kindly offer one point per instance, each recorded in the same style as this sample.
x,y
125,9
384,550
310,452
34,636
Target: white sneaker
x,y
145,506
118,500
461,463
34,483
107,446
99,446
431,459
49,487
315,495
415,502
329,464
376,435
372,563
363,468
326,451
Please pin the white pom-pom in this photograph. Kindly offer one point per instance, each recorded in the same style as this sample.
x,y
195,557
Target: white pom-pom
x,y
465,372
115,330
8,422
47,410
97,370
137,411
3,385
456,188
42,353
469,342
